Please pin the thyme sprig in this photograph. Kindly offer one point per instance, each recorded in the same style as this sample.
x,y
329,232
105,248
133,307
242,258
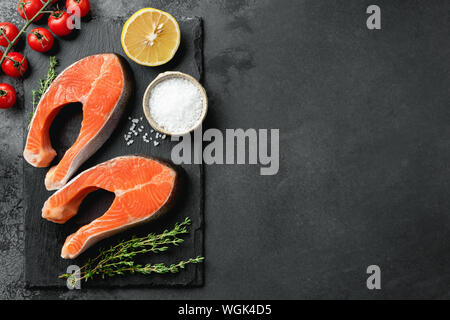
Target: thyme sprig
x,y
44,84
118,259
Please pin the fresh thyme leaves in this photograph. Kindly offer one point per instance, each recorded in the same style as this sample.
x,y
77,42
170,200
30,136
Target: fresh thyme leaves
x,y
118,260
44,84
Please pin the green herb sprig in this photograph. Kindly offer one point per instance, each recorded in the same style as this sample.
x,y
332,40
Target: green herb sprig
x,y
118,260
44,84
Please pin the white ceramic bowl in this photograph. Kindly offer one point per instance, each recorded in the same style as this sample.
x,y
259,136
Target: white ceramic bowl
x,y
164,76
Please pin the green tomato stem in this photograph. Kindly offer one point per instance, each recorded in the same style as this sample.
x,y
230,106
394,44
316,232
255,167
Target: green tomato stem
x,y
24,29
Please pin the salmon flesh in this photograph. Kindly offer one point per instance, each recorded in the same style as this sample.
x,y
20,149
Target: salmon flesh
x,y
143,189
102,84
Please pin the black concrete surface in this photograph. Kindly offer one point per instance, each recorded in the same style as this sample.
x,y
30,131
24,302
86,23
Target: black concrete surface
x,y
364,152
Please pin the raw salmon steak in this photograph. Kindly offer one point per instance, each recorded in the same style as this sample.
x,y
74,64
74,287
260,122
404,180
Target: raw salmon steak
x,y
143,189
101,83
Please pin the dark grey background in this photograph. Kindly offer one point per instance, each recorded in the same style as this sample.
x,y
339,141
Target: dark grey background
x,y
364,147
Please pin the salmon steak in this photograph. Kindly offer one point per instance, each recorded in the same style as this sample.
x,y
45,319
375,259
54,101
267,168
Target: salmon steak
x,y
143,189
103,86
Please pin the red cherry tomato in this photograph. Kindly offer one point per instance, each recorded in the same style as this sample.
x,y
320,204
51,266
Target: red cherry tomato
x,y
40,40
30,9
10,31
7,96
78,8
15,65
60,23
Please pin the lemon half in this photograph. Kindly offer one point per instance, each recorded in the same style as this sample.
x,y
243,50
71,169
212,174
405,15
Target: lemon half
x,y
151,37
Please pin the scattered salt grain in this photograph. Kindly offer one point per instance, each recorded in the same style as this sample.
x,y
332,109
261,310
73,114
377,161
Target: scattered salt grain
x,y
136,129
145,138
176,105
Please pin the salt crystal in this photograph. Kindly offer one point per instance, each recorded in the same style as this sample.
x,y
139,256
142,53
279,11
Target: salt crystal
x,y
176,104
155,143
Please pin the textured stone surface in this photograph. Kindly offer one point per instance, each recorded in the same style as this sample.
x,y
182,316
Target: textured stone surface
x,y
363,118
65,130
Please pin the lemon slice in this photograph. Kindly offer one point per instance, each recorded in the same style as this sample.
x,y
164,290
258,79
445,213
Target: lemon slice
x,y
151,37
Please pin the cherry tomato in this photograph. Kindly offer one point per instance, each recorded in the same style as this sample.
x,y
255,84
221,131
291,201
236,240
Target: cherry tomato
x,y
10,31
30,8
15,65
40,40
7,96
78,8
60,23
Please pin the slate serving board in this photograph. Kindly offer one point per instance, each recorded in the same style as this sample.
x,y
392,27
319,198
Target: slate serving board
x,y
44,239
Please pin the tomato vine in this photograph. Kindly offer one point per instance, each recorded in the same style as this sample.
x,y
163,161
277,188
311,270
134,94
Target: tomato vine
x,y
24,28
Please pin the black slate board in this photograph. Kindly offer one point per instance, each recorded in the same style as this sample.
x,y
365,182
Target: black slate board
x,y
44,239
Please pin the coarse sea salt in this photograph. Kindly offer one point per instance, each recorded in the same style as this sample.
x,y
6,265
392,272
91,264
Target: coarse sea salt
x,y
140,129
176,105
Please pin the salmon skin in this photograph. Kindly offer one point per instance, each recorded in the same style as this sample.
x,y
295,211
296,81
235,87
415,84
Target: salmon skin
x,y
102,84
143,189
